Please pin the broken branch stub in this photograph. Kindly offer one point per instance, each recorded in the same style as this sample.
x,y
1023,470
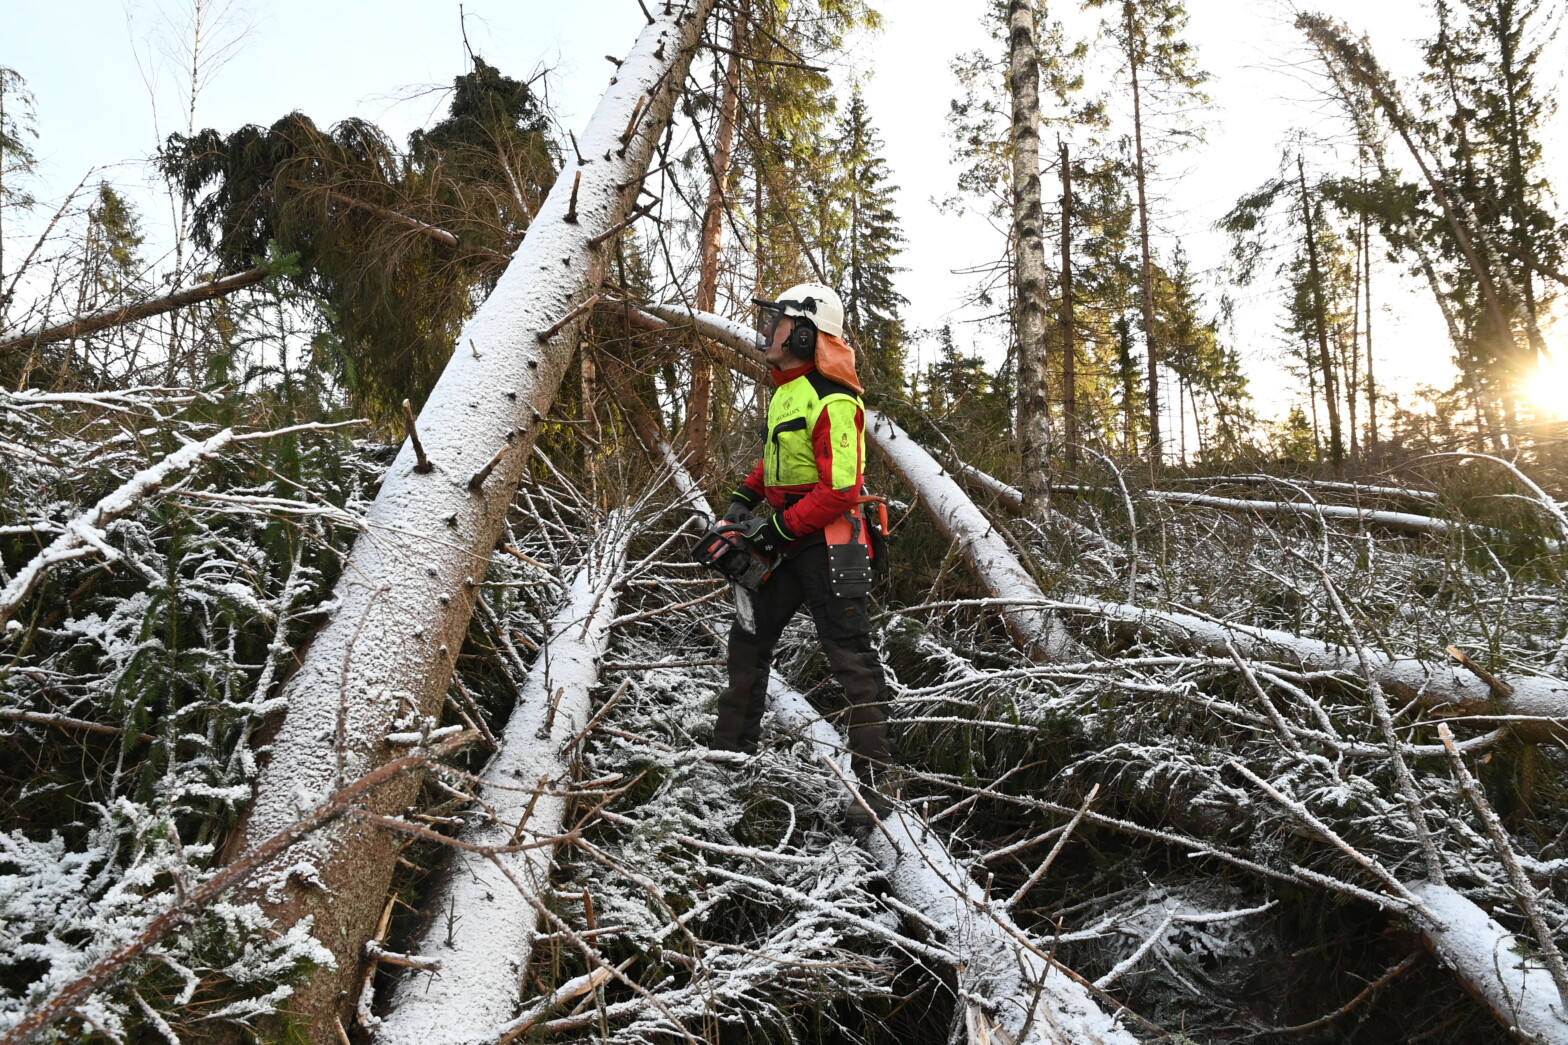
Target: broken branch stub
x,y
405,598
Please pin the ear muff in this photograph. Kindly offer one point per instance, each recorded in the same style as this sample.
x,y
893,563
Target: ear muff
x,y
802,343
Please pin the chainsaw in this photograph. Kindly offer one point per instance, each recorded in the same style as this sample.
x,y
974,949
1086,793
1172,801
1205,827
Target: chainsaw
x,y
728,553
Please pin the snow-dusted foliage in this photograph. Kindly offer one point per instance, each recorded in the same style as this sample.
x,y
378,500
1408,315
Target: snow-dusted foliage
x,y
134,677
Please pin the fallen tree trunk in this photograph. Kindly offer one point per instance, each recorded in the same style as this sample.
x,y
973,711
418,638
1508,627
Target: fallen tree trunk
x,y
404,601
1540,704
1007,983
1490,962
83,326
1353,489
1405,521
993,563
1012,499
483,959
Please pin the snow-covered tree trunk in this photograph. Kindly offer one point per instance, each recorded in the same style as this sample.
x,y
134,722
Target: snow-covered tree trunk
x,y
485,952
1034,403
1036,630
1492,964
1407,522
1010,990
1542,703
406,595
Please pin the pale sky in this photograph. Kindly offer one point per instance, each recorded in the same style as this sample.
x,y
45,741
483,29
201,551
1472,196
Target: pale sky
x,y
88,62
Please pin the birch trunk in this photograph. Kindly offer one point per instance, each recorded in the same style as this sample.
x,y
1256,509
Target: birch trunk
x,y
1034,403
407,592
993,563
483,958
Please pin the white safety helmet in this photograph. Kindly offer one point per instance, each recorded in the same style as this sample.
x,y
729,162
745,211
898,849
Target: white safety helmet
x,y
811,301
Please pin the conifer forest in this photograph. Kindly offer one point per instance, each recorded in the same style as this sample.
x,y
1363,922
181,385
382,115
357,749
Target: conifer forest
x,y
358,682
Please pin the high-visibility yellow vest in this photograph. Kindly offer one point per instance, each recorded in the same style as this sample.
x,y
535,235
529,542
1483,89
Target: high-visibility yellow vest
x,y
789,457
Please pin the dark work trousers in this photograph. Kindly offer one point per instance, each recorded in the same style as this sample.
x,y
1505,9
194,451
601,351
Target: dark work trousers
x,y
843,627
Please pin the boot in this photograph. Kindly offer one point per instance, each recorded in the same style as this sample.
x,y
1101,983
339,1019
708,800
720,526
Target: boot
x,y
876,802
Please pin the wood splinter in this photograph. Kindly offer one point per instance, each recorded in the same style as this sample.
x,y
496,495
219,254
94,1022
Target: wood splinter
x,y
554,329
422,463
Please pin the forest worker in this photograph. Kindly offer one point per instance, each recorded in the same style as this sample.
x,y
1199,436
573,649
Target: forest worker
x,y
811,475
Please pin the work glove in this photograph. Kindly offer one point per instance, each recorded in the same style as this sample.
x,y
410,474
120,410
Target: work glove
x,y
763,535
739,511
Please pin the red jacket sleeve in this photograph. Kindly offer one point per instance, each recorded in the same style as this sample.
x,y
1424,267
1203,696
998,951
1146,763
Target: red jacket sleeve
x,y
836,442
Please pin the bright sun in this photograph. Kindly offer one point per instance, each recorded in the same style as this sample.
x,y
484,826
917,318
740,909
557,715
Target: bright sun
x,y
1548,388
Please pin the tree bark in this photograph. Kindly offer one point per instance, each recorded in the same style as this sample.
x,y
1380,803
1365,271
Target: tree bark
x,y
699,403
84,326
1366,301
1011,989
1069,348
1440,686
1034,403
407,593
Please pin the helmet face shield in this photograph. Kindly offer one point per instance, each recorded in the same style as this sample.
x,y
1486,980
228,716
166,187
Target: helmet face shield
x,y
769,314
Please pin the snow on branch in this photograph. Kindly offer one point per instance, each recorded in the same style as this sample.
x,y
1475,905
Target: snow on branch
x,y
403,603
1536,707
1008,982
483,959
85,326
71,996
85,535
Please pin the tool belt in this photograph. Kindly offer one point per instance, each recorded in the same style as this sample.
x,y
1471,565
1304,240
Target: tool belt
x,y
857,549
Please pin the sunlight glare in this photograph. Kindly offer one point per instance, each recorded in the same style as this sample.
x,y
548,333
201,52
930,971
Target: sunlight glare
x,y
1548,388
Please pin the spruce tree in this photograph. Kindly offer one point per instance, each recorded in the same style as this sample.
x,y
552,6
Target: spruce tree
x,y
865,251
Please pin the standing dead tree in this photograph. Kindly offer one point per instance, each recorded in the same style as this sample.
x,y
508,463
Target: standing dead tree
x,y
407,593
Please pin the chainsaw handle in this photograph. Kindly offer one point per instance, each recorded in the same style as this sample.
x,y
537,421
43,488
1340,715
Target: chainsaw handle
x,y
881,503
